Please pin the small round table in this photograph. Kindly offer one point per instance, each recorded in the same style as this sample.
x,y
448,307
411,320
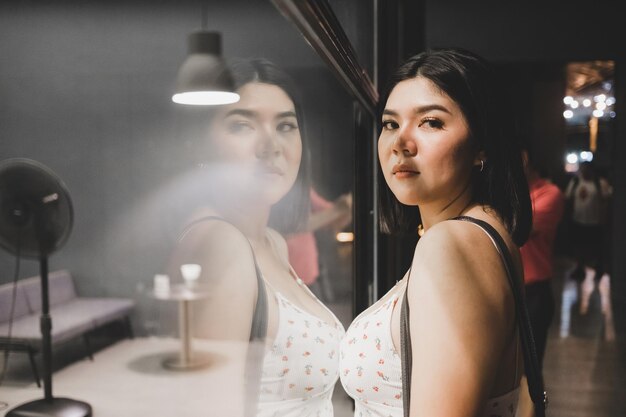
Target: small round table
x,y
186,360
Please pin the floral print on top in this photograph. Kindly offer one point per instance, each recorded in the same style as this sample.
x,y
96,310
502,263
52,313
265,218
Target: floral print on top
x,y
371,373
301,367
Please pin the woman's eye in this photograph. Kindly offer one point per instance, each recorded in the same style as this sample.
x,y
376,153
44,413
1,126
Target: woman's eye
x,y
389,125
239,126
287,127
432,123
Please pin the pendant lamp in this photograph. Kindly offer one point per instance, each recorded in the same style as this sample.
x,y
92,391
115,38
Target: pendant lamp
x,y
203,78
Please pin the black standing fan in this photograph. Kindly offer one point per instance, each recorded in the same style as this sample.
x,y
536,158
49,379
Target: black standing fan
x,y
36,218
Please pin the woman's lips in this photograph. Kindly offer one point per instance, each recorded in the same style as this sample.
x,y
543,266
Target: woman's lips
x,y
404,171
405,174
271,170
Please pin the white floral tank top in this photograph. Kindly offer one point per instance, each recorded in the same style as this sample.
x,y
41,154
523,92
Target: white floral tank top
x,y
371,373
302,366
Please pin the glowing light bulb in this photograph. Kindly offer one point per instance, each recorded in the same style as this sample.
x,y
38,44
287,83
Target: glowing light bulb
x,y
345,237
205,98
586,156
571,158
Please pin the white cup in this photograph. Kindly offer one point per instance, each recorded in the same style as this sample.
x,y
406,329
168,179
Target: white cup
x,y
161,283
191,273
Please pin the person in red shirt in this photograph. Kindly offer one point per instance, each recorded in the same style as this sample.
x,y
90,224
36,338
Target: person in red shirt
x,y
537,258
302,247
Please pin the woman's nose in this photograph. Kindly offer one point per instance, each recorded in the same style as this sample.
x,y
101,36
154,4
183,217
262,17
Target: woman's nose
x,y
268,145
404,144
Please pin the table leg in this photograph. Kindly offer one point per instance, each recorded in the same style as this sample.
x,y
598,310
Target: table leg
x,y
186,360
185,336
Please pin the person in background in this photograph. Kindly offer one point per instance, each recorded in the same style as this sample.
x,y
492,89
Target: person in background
x,y
587,198
537,259
302,246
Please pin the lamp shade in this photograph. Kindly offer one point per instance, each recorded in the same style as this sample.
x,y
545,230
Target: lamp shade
x,y
203,78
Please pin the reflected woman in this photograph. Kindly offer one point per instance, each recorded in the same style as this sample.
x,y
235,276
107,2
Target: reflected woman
x,y
445,151
256,176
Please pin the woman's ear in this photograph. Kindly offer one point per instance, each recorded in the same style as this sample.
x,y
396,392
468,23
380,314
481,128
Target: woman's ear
x,y
480,160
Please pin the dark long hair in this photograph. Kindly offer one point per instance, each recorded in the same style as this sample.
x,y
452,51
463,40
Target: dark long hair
x,y
472,83
291,213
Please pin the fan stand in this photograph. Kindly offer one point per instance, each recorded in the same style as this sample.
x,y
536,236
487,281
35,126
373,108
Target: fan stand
x,y
36,205
49,406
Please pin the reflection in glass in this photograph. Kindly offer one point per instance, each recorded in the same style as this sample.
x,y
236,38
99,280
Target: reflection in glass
x,y
103,118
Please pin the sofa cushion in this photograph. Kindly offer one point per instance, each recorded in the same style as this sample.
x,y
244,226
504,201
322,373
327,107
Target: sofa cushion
x,y
24,328
60,287
71,316
68,321
106,310
6,299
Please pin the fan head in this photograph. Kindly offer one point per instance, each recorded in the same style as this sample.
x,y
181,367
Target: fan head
x,y
36,213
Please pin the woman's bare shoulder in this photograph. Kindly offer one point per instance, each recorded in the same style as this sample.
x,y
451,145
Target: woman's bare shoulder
x,y
221,249
458,257
219,236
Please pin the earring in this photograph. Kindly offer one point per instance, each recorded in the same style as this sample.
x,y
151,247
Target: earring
x,y
482,165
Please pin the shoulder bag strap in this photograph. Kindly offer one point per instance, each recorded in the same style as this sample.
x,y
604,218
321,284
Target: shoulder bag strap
x,y
406,356
531,364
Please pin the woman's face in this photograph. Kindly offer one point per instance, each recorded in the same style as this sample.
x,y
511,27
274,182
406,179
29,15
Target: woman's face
x,y
257,143
424,148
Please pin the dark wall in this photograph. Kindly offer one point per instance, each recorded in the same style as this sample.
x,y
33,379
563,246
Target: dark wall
x,y
549,34
557,30
85,89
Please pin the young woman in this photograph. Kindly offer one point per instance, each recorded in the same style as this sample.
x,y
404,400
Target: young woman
x,y
255,175
445,151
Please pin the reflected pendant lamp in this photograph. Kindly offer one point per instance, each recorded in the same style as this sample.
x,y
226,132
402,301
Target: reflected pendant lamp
x,y
203,78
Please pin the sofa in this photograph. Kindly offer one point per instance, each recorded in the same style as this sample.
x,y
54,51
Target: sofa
x,y
72,316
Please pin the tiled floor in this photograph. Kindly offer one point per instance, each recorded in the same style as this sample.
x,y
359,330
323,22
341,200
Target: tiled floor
x,y
584,366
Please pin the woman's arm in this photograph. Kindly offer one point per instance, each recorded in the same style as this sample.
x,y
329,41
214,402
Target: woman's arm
x,y
338,212
461,317
228,272
223,320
